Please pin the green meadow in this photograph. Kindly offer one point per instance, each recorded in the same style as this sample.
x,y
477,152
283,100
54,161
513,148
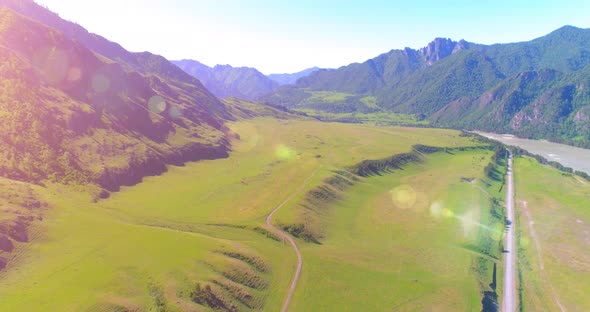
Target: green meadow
x,y
554,223
373,118
414,237
406,241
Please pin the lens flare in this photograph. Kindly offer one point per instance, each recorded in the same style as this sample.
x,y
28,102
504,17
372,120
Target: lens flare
x,y
468,220
100,83
175,112
74,74
251,140
403,197
436,209
447,213
53,64
468,223
284,152
157,104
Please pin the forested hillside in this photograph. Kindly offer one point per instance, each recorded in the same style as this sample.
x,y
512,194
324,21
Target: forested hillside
x,y
534,89
70,114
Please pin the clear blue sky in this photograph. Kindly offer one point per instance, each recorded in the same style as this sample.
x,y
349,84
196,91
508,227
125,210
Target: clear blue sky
x,y
290,35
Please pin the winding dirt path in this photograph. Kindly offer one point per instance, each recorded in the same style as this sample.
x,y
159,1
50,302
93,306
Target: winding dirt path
x,y
287,237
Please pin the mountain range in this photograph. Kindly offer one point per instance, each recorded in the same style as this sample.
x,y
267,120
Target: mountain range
x,y
77,108
289,79
242,82
536,89
225,80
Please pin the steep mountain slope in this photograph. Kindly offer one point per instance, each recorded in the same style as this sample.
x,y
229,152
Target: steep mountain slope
x,y
538,104
143,62
439,80
71,115
426,90
287,79
372,77
225,80
382,71
566,49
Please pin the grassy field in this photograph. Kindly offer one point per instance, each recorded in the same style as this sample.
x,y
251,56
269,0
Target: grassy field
x,y
148,246
375,118
554,222
327,96
406,241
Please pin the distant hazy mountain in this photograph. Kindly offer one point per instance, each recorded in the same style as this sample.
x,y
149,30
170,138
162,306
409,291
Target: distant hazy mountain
x,y
445,79
287,79
75,107
225,80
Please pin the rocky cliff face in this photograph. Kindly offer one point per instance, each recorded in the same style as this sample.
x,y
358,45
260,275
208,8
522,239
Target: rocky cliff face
x,y
441,48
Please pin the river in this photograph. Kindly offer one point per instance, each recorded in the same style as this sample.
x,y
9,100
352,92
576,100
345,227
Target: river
x,y
569,156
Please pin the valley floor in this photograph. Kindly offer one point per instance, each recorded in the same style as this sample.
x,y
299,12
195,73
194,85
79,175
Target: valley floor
x,y
195,238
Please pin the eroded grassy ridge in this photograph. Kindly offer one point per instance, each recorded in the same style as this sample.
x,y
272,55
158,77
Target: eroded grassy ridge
x,y
238,285
397,241
318,198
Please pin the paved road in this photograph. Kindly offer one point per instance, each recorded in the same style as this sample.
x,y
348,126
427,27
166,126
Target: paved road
x,y
287,237
509,299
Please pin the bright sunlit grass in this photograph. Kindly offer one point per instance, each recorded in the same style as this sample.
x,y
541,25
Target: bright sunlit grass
x,y
162,232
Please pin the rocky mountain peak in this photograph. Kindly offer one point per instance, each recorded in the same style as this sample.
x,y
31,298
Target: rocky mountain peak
x,y
440,48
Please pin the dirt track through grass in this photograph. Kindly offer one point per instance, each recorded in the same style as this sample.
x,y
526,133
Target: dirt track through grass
x,y
291,241
555,259
535,238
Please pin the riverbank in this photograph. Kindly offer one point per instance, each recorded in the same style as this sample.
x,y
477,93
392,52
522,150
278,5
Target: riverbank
x,y
568,156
